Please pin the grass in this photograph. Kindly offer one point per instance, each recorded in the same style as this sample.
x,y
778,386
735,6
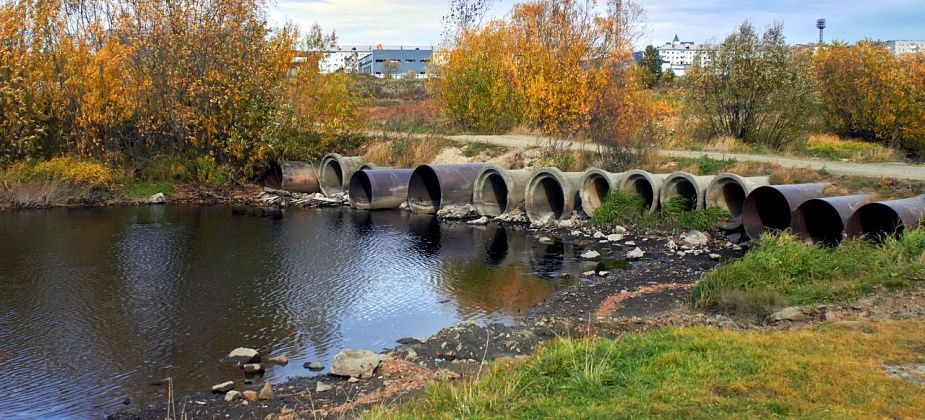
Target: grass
x,y
477,148
832,371
143,189
406,151
627,208
831,147
781,270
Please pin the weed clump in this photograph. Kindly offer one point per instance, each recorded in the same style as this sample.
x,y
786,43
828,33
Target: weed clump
x,y
628,208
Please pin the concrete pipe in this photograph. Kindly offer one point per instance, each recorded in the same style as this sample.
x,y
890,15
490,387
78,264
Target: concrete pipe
x,y
553,194
682,184
771,207
374,189
433,187
337,170
647,185
728,191
292,176
883,219
823,220
595,186
497,191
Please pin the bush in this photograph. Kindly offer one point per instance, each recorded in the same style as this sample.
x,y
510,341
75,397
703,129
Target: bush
x,y
627,208
209,172
62,169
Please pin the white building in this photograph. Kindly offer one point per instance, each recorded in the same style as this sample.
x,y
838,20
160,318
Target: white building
x,y
677,56
906,46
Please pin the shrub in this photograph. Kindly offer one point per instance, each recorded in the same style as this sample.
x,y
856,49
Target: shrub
x,y
209,172
62,169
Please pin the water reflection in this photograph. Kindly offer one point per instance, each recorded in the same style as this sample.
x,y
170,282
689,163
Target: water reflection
x,y
98,302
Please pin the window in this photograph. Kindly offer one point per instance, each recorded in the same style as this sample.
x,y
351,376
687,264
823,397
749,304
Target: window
x,y
379,60
409,60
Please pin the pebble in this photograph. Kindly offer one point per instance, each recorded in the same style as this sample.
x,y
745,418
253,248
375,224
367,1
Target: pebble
x,y
266,392
223,387
619,229
322,387
590,255
715,257
250,395
629,243
615,237
546,240
253,368
353,380
313,366
603,273
280,360
588,273
599,235
232,395
242,355
635,254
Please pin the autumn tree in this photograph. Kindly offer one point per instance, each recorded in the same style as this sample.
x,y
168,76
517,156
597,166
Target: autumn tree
x,y
751,87
651,66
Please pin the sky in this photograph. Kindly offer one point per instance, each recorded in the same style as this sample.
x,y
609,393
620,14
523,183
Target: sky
x,y
418,22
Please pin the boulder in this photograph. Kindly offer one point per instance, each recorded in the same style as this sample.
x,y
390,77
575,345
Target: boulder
x,y
242,355
232,395
266,392
253,368
356,363
696,238
223,387
322,387
791,313
635,254
590,255
158,198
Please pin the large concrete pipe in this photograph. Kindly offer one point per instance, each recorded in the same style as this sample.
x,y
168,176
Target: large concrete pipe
x,y
435,186
292,176
553,194
373,189
771,207
337,170
498,191
823,220
647,185
683,184
728,191
880,220
595,186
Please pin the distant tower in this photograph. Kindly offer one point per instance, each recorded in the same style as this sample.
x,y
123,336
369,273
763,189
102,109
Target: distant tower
x,y
820,23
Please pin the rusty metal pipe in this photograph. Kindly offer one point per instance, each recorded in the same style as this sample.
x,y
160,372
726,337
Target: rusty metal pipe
x,y
880,220
823,220
373,189
292,176
336,171
771,207
683,184
433,187
595,186
728,191
647,185
553,194
497,191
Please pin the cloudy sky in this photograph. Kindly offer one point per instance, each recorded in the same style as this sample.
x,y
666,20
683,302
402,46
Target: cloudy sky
x,y
418,22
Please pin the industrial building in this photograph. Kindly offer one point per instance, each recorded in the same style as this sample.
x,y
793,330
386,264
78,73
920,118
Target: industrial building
x,y
397,63
906,46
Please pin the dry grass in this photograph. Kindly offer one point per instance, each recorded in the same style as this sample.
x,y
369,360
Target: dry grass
x,y
405,152
423,116
827,146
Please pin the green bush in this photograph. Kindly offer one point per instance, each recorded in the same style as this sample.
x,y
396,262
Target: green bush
x,y
627,208
210,172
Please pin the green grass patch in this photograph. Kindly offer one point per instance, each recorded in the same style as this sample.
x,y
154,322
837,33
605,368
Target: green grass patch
x,y
835,148
782,270
628,208
832,371
142,189
479,147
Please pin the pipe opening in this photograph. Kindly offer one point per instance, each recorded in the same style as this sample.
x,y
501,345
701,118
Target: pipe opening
x,y
730,197
771,211
273,176
424,190
597,192
548,199
493,195
820,222
361,191
643,187
878,222
332,176
682,187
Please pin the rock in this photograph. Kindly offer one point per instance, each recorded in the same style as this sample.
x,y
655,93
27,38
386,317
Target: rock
x,y
567,223
546,240
619,229
629,243
590,255
353,380
242,355
250,395
480,221
232,395
322,387
615,237
280,360
266,392
791,313
671,245
696,238
158,198
603,273
599,235
408,341
223,387
715,257
313,366
358,363
635,254
588,273
253,368
576,233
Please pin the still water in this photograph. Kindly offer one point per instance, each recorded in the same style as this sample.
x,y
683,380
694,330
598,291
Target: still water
x,y
95,304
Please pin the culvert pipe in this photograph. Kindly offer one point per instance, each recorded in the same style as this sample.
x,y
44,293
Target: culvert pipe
x,y
497,191
771,207
883,219
292,176
553,195
823,220
647,185
433,187
683,184
595,186
374,189
337,170
728,191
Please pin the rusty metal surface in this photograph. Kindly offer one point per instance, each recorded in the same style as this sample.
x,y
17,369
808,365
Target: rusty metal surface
x,y
771,207
298,177
433,186
887,218
336,171
374,189
823,220
595,186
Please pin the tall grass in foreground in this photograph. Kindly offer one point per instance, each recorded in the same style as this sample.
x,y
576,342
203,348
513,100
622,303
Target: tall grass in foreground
x,y
782,270
627,208
833,371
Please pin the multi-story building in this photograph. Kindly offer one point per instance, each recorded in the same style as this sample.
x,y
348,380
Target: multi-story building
x,y
677,56
906,46
398,63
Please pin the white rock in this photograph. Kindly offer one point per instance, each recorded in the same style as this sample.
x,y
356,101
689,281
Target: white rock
x,y
615,237
619,229
567,223
242,355
681,253
671,245
588,273
545,240
635,254
629,243
232,395
322,387
696,238
158,198
715,257
353,380
603,273
791,313
223,387
599,235
253,368
480,221
576,233
357,363
590,255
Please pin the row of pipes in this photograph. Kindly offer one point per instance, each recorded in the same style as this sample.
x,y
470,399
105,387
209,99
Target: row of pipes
x,y
548,195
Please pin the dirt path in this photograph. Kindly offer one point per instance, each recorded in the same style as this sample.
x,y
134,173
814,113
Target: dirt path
x,y
874,170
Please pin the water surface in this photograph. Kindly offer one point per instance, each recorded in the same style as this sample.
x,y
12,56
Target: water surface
x,y
97,303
